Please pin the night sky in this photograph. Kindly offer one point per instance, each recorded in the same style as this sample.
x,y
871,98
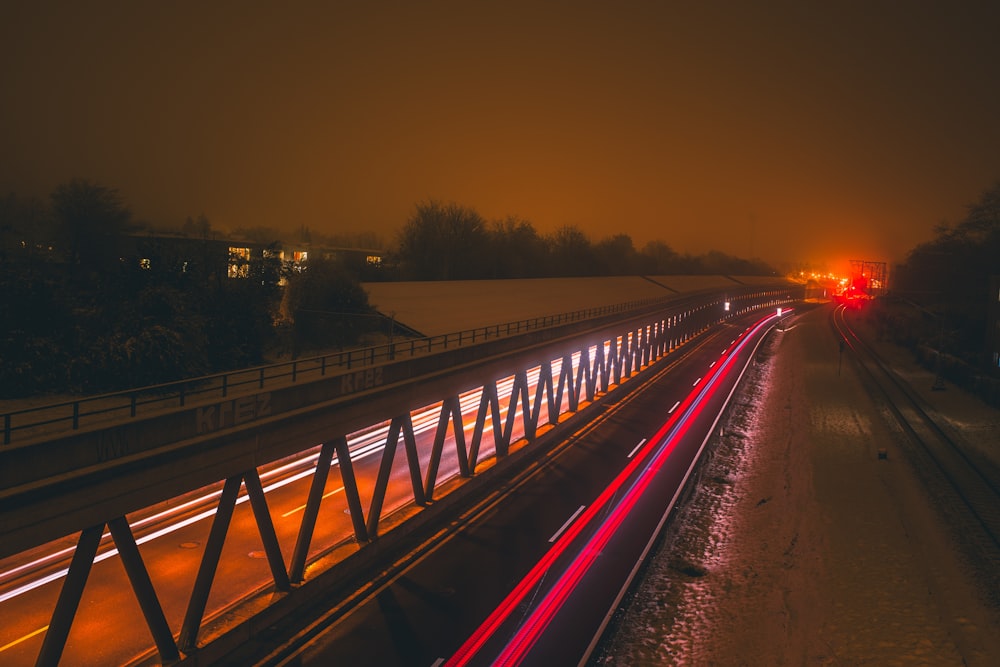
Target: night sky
x,y
790,131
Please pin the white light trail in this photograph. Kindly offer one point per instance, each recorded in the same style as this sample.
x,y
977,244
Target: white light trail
x,y
363,443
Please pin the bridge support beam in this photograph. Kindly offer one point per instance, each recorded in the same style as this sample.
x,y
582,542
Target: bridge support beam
x,y
143,587
404,424
451,411
209,563
350,483
487,401
297,567
251,479
69,597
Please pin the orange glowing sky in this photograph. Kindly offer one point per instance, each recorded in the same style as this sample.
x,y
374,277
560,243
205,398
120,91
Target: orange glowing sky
x,y
791,131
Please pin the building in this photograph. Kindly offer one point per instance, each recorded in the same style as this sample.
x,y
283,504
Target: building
x,y
237,258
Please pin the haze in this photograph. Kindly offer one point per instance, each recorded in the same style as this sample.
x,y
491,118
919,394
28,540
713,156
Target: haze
x,y
799,132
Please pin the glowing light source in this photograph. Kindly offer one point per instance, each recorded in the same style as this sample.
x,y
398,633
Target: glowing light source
x,y
607,514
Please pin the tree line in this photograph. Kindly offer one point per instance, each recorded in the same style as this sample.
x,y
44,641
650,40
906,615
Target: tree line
x,y
90,305
95,300
942,296
448,241
81,314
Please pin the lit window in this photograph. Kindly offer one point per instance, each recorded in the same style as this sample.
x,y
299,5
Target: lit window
x,y
374,260
144,264
239,262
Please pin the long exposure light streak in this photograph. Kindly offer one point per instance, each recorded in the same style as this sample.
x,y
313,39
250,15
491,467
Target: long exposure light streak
x,y
634,479
363,443
517,407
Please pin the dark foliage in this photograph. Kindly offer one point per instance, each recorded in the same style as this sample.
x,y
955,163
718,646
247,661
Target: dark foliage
x,y
37,333
443,242
329,308
947,283
453,242
90,308
91,305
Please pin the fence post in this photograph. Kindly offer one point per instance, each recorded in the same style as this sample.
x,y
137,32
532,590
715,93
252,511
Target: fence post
x,y
132,397
76,415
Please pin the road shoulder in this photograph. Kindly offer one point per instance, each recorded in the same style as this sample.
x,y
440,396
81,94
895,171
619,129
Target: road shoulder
x,y
802,545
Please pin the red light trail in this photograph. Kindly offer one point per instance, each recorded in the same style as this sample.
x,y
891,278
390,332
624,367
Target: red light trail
x,y
635,479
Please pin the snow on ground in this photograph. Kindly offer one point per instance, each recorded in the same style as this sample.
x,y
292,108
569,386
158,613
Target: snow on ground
x,y
800,546
439,307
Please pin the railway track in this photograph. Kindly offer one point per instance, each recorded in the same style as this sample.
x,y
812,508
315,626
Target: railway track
x,y
964,485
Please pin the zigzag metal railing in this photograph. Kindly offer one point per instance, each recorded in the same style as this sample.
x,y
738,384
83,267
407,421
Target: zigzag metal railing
x,y
131,403
613,359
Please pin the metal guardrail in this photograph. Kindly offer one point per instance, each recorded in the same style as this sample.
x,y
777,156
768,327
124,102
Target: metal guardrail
x,y
71,415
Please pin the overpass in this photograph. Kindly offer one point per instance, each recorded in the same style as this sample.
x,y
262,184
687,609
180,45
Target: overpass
x,y
105,475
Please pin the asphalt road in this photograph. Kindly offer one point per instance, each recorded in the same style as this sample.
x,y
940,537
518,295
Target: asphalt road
x,y
423,615
108,628
430,607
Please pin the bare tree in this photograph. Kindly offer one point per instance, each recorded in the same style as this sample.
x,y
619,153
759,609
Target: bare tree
x,y
515,249
443,242
616,256
658,258
90,222
571,253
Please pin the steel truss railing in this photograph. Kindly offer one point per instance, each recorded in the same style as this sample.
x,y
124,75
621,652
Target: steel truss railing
x,y
74,414
572,381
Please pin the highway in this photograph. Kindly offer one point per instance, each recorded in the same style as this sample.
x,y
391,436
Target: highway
x,y
531,574
108,628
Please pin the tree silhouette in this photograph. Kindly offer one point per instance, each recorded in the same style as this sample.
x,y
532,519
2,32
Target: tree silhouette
x,y
90,222
950,277
571,253
25,231
616,256
199,228
443,242
328,306
515,250
658,258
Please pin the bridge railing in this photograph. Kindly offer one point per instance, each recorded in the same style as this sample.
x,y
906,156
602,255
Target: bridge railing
x,y
27,423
